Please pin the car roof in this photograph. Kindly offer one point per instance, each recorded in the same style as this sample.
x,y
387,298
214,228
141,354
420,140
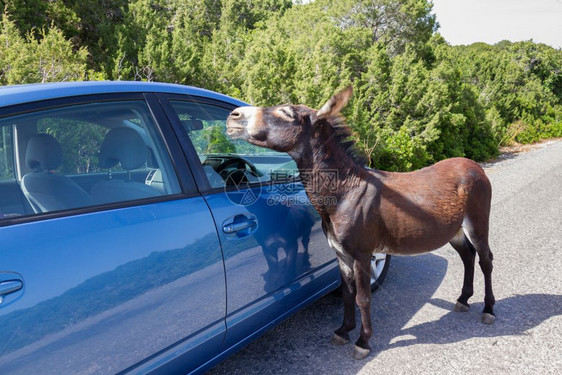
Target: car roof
x,y
17,94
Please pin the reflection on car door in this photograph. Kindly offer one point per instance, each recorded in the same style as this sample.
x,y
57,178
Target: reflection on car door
x,y
106,290
276,256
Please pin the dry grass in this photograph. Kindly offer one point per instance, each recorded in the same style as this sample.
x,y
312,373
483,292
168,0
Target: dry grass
x,y
508,152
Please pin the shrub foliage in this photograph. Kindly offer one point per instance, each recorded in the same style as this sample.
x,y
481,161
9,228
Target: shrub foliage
x,y
416,98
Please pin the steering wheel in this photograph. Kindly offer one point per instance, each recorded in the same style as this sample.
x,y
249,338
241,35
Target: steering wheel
x,y
237,175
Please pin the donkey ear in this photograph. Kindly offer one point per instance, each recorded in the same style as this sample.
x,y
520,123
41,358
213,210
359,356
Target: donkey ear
x,y
335,104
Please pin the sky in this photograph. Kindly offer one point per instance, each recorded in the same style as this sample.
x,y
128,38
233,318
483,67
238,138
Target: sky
x,y
491,21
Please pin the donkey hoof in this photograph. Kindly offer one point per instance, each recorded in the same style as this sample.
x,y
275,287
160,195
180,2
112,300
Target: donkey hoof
x,y
488,318
360,353
337,340
461,307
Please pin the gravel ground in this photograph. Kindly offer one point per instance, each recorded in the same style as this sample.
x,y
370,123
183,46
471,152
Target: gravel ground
x,y
416,331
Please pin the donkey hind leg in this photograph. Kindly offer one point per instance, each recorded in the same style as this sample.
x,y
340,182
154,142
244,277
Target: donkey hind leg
x,y
479,239
467,253
485,260
362,270
341,335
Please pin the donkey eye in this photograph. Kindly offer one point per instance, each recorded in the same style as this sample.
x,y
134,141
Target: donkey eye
x,y
286,113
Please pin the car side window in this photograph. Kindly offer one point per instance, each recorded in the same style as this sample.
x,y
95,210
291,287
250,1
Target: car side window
x,y
83,155
228,162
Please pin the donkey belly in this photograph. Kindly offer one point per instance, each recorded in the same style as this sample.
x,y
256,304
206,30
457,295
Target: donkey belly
x,y
418,238
411,248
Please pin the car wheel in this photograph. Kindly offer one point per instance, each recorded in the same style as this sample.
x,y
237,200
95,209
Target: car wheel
x,y
379,268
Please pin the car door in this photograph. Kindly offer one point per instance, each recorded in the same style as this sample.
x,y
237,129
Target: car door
x,y
276,255
110,259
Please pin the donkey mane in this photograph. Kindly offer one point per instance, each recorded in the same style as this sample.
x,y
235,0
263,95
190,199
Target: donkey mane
x,y
343,135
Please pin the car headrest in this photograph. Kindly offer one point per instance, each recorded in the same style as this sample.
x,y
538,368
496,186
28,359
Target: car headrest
x,y
192,124
43,152
122,145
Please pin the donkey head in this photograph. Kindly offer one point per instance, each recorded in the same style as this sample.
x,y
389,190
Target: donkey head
x,y
282,127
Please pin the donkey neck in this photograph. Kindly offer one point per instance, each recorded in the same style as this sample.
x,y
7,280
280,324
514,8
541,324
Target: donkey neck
x,y
326,170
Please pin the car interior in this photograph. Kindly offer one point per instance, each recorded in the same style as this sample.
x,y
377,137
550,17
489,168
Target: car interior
x,y
80,156
99,153
226,162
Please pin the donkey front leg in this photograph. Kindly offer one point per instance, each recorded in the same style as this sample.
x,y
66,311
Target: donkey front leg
x,y
362,270
341,335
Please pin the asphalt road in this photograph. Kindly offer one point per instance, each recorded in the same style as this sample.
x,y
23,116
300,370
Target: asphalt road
x,y
415,329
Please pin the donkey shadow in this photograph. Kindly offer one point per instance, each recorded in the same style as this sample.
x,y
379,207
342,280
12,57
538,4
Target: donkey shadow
x,y
515,314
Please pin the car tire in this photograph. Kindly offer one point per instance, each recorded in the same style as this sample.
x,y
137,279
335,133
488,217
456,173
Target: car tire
x,y
379,268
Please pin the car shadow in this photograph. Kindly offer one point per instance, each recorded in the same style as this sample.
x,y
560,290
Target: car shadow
x,y
303,340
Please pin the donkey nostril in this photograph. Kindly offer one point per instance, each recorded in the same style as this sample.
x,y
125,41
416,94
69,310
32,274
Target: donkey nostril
x,y
235,114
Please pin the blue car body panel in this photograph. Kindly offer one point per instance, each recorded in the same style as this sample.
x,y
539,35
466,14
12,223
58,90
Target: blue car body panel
x,y
112,288
155,287
275,267
42,91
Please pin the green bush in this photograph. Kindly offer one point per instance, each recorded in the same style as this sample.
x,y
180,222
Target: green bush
x,y
416,99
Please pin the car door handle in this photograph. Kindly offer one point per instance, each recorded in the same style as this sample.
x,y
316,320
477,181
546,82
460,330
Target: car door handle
x,y
240,223
8,287
236,227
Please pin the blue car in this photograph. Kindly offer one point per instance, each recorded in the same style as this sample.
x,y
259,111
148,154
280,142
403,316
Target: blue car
x,y
138,238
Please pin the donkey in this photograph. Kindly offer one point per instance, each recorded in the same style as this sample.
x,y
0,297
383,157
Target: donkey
x,y
376,211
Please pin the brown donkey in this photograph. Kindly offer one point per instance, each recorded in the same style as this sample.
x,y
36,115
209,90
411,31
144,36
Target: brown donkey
x,y
376,211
